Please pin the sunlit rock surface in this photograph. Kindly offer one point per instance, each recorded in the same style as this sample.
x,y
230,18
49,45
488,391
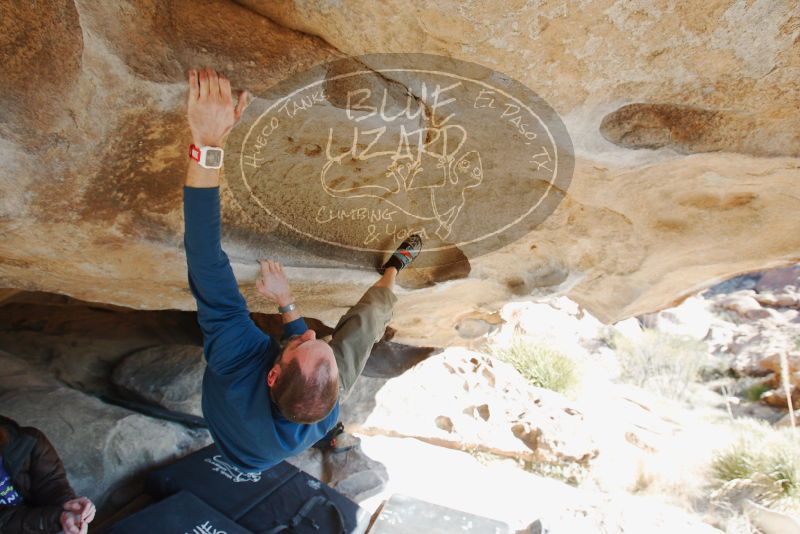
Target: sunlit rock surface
x,y
484,416
684,119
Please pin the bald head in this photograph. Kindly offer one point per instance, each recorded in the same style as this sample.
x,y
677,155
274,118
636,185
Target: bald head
x,y
304,382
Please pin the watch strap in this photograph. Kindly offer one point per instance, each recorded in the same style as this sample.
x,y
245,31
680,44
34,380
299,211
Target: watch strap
x,y
198,154
194,152
288,308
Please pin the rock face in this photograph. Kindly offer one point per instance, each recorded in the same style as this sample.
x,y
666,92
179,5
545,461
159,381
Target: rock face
x,y
691,130
762,324
81,343
168,375
777,395
102,446
684,121
485,416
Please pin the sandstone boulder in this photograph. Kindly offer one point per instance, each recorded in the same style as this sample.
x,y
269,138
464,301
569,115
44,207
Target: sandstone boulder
x,y
693,187
168,375
788,300
496,411
766,299
772,363
779,280
81,343
749,329
105,449
745,304
776,396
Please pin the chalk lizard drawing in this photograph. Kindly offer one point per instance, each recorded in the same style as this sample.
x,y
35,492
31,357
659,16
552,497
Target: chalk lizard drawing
x,y
430,186
231,472
207,528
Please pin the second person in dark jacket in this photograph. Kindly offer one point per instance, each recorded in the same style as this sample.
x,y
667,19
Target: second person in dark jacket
x,y
35,495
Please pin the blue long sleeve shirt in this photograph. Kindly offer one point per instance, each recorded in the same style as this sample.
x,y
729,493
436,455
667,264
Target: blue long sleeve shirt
x,y
242,419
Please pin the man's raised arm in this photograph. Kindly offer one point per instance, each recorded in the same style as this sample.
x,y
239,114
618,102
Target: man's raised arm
x,y
228,332
211,116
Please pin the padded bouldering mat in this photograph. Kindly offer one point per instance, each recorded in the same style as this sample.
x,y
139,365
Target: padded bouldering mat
x,y
281,495
182,513
309,507
206,474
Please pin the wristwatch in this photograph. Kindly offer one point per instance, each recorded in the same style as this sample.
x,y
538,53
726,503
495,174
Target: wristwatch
x,y
209,157
288,308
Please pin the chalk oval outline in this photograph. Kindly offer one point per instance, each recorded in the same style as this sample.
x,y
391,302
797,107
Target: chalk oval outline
x,y
461,244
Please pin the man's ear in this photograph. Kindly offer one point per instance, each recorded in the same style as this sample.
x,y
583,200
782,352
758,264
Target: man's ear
x,y
273,375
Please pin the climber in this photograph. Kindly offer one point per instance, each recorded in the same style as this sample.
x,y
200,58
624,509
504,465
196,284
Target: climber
x,y
263,400
35,495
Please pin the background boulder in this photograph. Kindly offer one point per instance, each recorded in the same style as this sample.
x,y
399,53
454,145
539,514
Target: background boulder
x,y
495,411
105,449
168,375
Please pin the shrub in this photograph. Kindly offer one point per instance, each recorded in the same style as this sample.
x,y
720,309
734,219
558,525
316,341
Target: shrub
x,y
764,459
754,392
541,365
662,362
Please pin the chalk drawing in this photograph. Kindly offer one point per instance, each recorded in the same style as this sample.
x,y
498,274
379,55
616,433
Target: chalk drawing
x,y
462,157
231,472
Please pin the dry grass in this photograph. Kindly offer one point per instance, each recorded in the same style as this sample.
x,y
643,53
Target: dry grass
x,y
763,459
660,362
541,365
